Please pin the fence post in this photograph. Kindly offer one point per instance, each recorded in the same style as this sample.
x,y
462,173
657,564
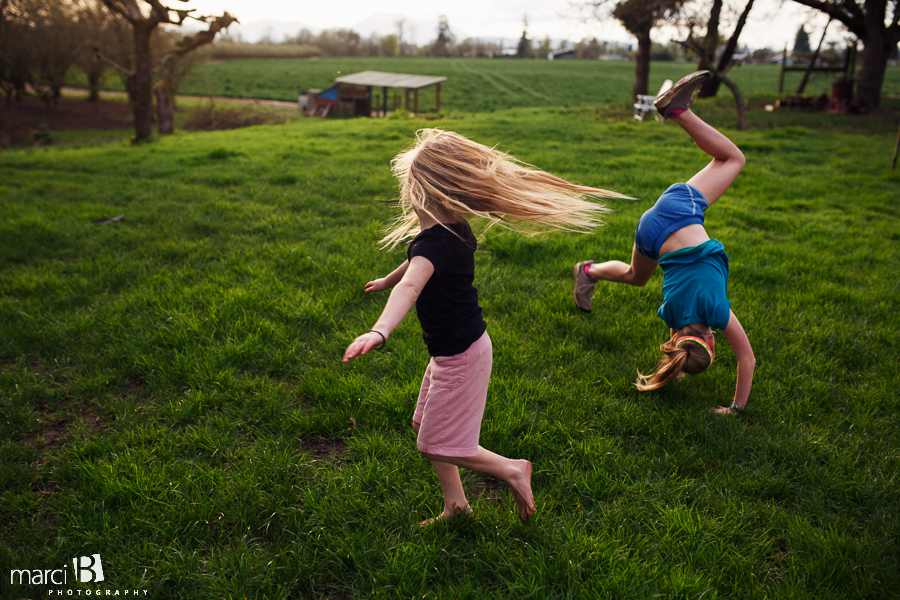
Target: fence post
x,y
781,78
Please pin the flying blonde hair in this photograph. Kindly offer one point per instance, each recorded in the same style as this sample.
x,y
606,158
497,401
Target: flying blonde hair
x,y
448,174
687,357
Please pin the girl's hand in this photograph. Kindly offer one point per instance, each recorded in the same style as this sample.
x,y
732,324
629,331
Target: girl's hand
x,y
363,345
379,285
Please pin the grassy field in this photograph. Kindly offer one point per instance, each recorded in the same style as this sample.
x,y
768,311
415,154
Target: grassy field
x,y
482,85
172,396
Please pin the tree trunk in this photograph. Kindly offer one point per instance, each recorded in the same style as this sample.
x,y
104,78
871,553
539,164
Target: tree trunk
x,y
142,87
165,109
642,65
95,72
94,85
707,58
871,72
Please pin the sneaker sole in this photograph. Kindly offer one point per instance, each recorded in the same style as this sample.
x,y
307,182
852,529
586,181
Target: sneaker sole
x,y
663,101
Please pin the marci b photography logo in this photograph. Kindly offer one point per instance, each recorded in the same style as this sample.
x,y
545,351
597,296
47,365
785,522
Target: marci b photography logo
x,y
86,569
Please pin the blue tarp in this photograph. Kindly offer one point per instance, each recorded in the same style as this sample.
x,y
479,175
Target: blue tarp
x,y
329,94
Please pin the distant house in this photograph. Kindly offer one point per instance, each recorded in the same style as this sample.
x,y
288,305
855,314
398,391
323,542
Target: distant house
x,y
561,54
781,58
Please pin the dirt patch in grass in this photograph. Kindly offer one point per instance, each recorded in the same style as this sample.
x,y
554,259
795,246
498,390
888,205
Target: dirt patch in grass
x,y
326,448
30,121
489,488
777,560
50,438
137,388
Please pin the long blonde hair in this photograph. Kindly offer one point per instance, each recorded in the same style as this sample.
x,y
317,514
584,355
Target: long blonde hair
x,y
687,357
448,174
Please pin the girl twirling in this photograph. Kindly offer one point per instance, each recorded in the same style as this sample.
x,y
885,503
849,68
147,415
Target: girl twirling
x,y
444,179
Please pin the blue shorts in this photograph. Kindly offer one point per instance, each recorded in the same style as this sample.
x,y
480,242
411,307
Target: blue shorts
x,y
679,206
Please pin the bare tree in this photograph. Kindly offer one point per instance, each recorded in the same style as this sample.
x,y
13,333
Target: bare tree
x,y
444,41
14,58
524,49
39,43
879,32
101,28
705,49
707,45
165,88
143,24
639,17
400,25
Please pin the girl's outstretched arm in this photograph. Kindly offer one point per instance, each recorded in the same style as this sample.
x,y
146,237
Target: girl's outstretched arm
x,y
737,337
388,281
401,300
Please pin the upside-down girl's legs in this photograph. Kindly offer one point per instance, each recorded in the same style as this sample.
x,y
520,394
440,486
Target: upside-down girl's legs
x,y
714,179
637,273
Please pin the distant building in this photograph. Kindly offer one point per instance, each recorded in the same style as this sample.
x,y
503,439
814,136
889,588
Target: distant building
x,y
561,54
353,94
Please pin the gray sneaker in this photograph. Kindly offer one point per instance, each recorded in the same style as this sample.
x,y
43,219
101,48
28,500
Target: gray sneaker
x,y
584,286
680,95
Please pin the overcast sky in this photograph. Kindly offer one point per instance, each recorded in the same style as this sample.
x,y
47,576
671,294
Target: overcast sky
x,y
772,23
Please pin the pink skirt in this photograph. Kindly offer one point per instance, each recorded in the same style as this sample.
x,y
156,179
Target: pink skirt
x,y
451,401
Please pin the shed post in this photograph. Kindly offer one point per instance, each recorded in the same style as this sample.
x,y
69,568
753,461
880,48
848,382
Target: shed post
x,y
417,102
384,95
781,77
438,97
406,99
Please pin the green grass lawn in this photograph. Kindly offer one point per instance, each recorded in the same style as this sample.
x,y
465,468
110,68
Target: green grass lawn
x,y
172,396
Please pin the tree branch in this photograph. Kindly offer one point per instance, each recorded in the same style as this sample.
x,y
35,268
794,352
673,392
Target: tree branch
x,y
163,12
847,12
108,61
893,30
726,61
738,101
191,42
127,8
691,44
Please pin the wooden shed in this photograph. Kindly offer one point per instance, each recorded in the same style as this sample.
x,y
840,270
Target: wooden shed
x,y
355,92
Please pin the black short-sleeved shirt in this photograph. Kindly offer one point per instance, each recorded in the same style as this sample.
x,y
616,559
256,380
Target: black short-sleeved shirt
x,y
448,306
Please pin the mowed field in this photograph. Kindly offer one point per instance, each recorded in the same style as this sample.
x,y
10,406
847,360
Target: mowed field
x,y
172,396
479,85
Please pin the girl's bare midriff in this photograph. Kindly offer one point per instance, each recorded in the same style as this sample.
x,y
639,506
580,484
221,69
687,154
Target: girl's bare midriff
x,y
686,237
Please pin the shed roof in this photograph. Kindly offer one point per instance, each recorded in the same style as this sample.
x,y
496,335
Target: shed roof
x,y
392,80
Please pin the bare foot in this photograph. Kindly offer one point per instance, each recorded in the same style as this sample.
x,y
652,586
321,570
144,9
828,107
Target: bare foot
x,y
521,489
447,515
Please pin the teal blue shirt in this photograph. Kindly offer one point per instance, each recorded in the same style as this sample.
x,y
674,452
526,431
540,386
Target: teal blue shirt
x,y
695,285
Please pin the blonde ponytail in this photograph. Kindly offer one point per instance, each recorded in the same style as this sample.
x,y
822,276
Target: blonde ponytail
x,y
689,357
